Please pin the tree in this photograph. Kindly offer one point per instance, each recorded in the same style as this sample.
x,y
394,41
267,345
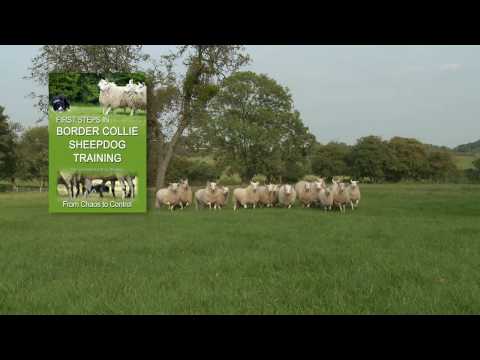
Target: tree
x,y
95,59
331,159
254,128
8,154
178,100
441,165
476,164
411,159
33,155
372,157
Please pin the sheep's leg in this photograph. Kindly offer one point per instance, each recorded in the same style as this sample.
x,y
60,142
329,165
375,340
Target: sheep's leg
x,y
78,189
88,186
131,189
112,183
73,184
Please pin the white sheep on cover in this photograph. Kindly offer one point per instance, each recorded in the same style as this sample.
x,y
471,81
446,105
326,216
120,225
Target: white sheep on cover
x,y
136,96
111,96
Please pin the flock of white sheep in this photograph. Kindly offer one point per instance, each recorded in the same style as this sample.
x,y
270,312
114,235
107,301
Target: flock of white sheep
x,y
113,96
316,193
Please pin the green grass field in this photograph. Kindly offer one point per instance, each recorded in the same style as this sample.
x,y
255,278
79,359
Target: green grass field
x,y
408,249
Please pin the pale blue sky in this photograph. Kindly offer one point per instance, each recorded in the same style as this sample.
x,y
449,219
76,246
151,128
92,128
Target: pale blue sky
x,y
342,92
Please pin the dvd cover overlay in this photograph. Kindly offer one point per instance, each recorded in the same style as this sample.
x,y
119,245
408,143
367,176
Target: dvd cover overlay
x,y
97,143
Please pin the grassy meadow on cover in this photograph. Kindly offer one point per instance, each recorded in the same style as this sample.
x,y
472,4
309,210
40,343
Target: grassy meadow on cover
x,y
408,249
96,110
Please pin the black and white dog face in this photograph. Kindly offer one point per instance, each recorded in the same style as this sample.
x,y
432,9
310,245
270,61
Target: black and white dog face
x,y
60,103
100,189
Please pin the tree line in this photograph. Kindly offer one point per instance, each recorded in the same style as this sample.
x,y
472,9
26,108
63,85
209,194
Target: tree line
x,y
208,119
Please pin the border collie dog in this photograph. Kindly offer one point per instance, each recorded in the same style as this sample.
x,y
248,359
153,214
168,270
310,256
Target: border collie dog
x,y
60,103
100,189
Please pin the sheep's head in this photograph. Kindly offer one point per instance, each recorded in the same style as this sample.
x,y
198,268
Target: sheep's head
x,y
184,184
320,183
212,186
225,190
139,88
254,185
288,189
353,184
173,187
104,85
131,88
270,188
307,186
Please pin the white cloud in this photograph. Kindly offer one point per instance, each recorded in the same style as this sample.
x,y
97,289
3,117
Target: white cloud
x,y
450,67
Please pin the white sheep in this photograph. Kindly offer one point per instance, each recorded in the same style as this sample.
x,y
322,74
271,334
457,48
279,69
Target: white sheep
x,y
168,196
246,196
341,197
111,96
354,193
136,95
325,197
267,195
207,196
306,193
185,193
287,195
221,197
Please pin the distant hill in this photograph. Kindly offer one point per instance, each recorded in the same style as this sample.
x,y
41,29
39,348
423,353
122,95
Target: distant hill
x,y
473,147
432,147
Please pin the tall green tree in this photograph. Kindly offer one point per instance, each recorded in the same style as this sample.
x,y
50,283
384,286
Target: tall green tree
x,y
254,128
32,155
331,159
411,159
441,166
372,157
96,59
183,84
476,164
8,154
